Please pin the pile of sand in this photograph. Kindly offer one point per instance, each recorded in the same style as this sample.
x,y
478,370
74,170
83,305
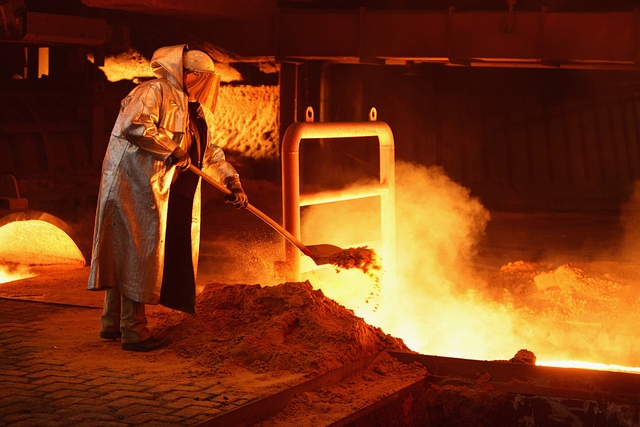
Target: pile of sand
x,y
289,327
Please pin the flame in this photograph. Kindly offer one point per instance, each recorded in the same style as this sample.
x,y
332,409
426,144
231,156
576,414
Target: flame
x,y
438,303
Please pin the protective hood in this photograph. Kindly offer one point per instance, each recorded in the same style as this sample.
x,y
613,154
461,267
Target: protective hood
x,y
166,63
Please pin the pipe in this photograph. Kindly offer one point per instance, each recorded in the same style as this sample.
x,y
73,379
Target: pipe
x,y
331,196
292,199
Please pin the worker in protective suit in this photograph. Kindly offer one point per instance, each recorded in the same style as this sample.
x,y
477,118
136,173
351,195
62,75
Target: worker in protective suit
x,y
147,229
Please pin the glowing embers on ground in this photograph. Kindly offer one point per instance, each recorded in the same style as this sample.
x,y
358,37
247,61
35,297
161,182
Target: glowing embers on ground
x,y
10,272
583,314
34,239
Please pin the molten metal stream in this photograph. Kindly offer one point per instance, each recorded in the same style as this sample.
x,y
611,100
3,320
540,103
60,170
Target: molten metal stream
x,y
589,365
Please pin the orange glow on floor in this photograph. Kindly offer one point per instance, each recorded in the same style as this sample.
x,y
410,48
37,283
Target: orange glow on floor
x,y
9,274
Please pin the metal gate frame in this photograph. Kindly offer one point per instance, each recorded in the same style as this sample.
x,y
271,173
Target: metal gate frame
x,y
292,200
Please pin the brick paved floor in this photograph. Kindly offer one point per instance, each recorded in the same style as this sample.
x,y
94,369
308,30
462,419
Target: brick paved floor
x,y
44,381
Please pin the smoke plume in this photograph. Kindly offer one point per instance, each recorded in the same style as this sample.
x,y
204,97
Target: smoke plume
x,y
438,303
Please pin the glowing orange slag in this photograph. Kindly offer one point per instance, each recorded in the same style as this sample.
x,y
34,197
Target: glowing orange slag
x,y
364,259
439,302
361,258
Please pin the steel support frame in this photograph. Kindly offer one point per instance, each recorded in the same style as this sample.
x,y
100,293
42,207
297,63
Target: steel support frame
x,y
486,38
292,199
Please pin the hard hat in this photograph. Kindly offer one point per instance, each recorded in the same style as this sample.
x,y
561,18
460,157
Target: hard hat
x,y
202,83
197,60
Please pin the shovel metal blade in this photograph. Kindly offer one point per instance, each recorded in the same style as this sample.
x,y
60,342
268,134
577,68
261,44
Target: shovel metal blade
x,y
323,253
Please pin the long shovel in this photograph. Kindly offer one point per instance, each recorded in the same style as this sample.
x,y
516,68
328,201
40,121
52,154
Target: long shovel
x,y
320,254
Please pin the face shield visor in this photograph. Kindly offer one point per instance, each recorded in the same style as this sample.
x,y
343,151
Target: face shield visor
x,y
200,80
203,86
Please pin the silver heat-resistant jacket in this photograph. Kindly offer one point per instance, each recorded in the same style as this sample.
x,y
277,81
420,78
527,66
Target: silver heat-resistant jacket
x,y
131,218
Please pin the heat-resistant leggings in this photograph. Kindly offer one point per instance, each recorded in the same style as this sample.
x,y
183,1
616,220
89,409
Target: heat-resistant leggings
x,y
124,315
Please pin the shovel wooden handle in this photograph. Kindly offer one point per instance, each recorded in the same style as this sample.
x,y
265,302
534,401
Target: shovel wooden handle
x,y
255,211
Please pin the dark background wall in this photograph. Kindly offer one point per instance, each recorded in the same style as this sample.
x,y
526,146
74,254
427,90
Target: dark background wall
x,y
520,139
544,139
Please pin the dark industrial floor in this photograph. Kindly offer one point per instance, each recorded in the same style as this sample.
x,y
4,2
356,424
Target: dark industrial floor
x,y
56,371
41,383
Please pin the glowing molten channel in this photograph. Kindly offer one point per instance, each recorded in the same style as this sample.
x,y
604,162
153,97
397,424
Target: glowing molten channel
x,y
589,365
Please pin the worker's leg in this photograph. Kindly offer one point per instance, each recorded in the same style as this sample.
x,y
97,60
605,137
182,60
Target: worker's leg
x,y
111,315
134,322
135,334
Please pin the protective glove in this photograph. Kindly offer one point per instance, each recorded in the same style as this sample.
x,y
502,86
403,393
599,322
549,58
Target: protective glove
x,y
237,197
180,158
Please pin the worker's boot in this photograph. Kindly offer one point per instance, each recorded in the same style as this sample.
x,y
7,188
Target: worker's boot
x,y
135,334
